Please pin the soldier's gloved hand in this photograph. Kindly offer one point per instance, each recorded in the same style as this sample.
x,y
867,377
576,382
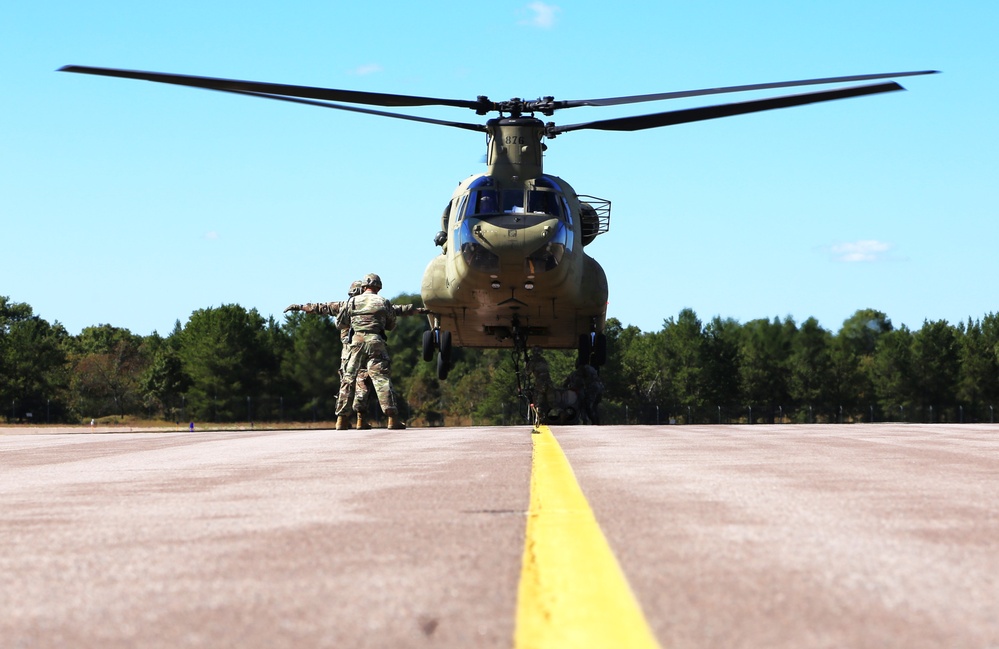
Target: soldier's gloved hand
x,y
422,310
293,307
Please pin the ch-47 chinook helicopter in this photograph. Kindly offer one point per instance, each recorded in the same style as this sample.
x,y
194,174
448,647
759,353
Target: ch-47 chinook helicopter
x,y
513,271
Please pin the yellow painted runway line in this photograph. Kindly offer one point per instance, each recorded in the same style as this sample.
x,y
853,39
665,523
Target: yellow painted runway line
x,y
572,591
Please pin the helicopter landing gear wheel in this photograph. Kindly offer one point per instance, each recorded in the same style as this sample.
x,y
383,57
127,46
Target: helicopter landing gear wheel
x,y
440,340
445,345
442,368
599,357
428,345
444,357
585,350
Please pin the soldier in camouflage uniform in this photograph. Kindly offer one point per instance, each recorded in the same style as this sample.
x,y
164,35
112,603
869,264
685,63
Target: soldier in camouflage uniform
x,y
362,386
368,317
332,309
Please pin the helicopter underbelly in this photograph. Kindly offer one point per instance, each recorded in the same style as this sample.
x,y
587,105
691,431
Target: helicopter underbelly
x,y
482,307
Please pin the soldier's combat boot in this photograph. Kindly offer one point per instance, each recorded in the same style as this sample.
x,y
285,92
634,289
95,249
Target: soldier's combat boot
x,y
341,423
362,423
394,423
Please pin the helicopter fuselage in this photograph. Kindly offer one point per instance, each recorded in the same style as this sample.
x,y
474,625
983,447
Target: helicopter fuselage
x,y
514,258
512,264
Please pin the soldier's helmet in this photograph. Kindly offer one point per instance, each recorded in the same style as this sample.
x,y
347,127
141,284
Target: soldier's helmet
x,y
372,281
356,288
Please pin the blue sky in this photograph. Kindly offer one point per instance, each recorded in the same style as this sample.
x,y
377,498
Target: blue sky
x,y
134,204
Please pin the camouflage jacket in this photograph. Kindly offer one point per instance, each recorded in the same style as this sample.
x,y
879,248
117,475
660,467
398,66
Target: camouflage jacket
x,y
324,308
333,308
367,313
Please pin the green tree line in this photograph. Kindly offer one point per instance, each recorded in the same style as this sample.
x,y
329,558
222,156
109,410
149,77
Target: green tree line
x,y
230,364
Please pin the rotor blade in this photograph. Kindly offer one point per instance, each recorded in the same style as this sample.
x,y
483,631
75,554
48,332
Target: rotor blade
x,y
328,94
368,111
614,101
669,118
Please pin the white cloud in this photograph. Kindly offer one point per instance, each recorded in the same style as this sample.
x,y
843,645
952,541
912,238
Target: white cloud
x,y
543,15
863,250
366,69
212,235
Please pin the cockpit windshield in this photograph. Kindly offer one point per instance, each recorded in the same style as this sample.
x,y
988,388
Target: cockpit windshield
x,y
483,201
543,202
546,197
513,201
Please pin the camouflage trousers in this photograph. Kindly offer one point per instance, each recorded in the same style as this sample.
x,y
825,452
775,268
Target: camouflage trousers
x,y
367,353
362,386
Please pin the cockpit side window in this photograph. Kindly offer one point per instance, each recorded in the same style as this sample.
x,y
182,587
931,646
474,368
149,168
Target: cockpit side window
x,y
565,209
461,208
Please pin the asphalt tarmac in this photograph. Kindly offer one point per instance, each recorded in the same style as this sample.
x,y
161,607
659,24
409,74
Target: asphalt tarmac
x,y
729,536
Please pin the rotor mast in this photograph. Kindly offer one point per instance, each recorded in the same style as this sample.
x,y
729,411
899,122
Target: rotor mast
x,y
515,148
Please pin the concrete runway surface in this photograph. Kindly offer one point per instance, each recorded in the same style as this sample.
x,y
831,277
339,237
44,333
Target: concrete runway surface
x,y
730,536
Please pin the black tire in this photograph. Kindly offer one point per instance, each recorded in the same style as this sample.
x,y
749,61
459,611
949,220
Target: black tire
x,y
446,347
443,367
428,345
599,357
585,350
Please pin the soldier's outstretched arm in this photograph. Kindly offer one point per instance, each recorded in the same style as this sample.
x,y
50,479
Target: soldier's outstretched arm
x,y
322,308
328,308
403,310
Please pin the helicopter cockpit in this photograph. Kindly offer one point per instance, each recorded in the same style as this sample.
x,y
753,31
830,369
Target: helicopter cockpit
x,y
514,208
484,199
